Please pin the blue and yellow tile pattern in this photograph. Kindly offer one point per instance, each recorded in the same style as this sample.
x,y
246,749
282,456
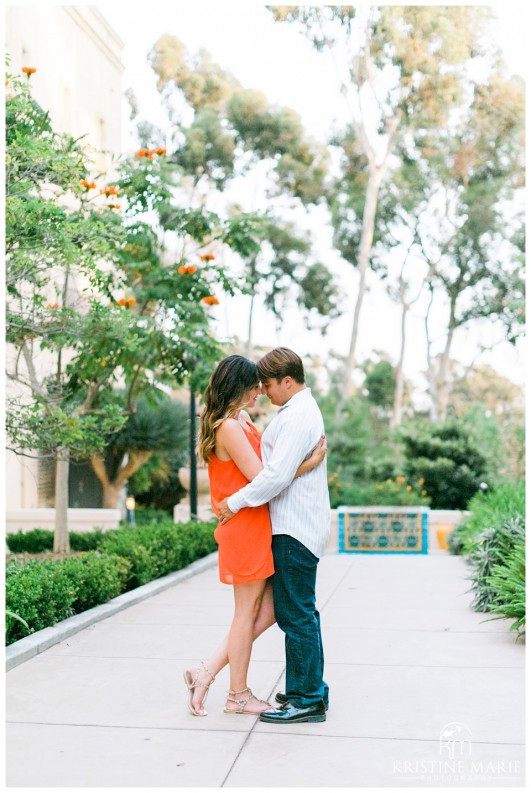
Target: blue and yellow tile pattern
x,y
383,529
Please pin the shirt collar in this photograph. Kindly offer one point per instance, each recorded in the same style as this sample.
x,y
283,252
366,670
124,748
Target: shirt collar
x,y
300,395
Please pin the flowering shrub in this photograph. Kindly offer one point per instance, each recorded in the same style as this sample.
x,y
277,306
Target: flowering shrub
x,y
391,492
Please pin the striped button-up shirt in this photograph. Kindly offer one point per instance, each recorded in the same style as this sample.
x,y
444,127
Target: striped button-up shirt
x,y
298,507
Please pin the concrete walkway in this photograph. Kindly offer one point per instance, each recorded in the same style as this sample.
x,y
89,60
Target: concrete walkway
x,y
423,693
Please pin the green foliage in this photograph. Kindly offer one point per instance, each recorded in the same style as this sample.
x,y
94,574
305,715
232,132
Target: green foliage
x,y
145,515
493,550
159,548
380,383
45,592
491,510
96,578
156,486
507,584
41,540
444,457
162,426
54,233
40,593
390,492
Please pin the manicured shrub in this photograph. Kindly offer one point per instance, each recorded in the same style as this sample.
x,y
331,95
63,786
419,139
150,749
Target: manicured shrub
x,y
34,541
96,578
41,540
86,540
40,593
45,592
160,548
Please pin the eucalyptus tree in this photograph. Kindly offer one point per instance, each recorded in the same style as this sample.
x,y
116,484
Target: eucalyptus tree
x,y
221,132
474,248
401,72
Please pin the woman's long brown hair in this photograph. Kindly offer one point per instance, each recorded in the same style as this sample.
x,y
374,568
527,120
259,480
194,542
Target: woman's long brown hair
x,y
231,378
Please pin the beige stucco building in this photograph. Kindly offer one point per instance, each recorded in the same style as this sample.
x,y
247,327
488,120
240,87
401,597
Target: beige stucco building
x,y
78,80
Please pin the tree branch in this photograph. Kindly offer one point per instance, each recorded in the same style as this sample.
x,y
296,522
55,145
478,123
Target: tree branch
x,y
136,461
97,463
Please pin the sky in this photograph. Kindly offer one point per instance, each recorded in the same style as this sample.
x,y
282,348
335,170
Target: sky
x,y
244,40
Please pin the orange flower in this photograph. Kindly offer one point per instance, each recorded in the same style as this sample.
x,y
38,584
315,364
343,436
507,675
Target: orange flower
x,y
28,70
182,270
211,300
122,302
9,96
142,153
87,185
110,189
161,151
191,269
207,257
113,206
131,301
53,305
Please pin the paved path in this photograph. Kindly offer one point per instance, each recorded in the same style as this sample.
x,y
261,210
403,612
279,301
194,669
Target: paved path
x,y
406,660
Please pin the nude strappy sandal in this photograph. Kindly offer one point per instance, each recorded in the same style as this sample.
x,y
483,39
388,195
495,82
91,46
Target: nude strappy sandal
x,y
243,702
192,683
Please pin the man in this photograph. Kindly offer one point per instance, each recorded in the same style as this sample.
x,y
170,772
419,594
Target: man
x,y
300,521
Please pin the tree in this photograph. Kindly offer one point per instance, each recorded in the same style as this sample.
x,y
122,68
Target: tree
x,y
221,132
280,267
132,313
56,243
474,251
443,456
404,78
161,428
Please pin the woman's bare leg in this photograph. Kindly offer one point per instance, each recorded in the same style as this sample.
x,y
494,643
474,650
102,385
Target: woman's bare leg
x,y
220,657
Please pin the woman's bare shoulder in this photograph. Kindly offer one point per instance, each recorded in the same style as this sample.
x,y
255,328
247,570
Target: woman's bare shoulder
x,y
229,427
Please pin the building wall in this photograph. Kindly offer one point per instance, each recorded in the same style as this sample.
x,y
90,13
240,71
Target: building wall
x,y
78,81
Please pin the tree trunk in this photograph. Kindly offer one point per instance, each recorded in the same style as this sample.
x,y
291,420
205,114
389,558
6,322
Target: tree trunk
x,y
396,417
369,214
61,541
111,490
248,346
443,391
111,495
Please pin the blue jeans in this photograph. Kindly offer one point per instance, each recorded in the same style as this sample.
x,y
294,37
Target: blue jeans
x,y
297,616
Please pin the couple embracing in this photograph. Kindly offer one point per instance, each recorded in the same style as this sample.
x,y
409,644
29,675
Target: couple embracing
x,y
271,496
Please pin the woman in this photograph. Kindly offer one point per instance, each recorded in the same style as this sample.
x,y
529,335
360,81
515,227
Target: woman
x,y
230,445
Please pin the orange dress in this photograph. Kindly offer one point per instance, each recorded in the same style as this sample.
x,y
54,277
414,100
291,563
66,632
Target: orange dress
x,y
245,541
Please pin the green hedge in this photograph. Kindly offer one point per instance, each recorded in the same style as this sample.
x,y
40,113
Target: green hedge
x,y
46,592
41,540
43,593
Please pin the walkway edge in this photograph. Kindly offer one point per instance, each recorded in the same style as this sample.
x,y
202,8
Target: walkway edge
x,y
30,646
